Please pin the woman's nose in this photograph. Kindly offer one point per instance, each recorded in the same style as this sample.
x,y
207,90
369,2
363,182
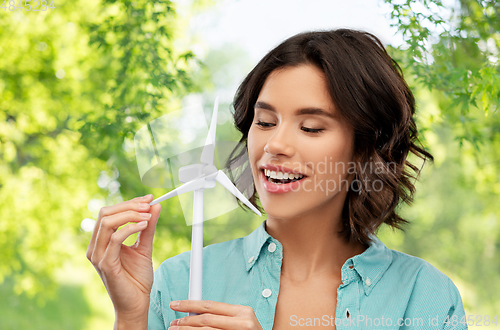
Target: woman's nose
x,y
280,143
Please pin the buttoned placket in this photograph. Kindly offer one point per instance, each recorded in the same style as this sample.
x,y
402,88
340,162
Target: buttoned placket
x,y
270,261
348,298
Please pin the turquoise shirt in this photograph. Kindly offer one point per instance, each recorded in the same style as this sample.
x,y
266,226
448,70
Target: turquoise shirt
x,y
384,289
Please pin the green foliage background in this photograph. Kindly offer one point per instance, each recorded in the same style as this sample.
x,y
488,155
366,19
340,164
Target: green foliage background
x,y
453,64
76,83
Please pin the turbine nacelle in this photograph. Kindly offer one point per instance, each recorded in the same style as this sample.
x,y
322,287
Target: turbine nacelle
x,y
190,172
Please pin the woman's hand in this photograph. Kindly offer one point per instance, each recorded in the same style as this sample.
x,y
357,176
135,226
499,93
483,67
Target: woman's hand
x,y
213,315
126,271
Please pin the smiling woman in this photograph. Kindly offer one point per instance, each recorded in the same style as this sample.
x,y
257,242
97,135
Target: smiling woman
x,y
365,91
327,120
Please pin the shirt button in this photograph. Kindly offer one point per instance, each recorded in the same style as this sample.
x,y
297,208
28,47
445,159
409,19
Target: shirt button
x,y
251,259
272,247
266,293
368,281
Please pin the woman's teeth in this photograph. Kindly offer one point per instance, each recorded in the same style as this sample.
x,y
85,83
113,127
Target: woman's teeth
x,y
281,177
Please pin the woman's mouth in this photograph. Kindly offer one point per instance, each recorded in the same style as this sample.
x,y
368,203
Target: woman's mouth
x,y
278,177
278,182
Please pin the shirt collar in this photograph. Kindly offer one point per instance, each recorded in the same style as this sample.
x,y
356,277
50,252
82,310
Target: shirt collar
x,y
253,243
370,265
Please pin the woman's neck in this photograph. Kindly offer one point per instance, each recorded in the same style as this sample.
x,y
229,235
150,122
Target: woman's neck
x,y
312,246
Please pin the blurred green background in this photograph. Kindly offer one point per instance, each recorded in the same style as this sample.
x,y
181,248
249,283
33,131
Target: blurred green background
x,y
78,81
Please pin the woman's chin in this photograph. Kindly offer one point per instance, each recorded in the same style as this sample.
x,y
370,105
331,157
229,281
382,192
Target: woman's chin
x,y
277,213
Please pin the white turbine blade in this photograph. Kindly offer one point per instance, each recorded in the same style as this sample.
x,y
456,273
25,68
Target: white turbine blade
x,y
224,181
207,155
188,186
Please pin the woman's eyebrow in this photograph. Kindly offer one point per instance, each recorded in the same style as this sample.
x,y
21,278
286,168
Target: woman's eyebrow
x,y
303,111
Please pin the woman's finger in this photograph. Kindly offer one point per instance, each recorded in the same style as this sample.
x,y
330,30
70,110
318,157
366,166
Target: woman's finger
x,y
208,306
243,318
139,204
111,256
109,225
207,320
145,239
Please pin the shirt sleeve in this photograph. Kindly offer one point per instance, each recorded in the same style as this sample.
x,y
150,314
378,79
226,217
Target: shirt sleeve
x,y
456,318
159,317
436,300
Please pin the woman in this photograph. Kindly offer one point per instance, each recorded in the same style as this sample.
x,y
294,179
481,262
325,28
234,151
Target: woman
x,y
328,123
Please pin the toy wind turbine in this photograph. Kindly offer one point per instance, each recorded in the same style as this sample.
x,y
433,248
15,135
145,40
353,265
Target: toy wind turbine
x,y
197,178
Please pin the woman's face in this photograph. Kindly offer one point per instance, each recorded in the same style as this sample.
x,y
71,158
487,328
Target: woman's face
x,y
297,133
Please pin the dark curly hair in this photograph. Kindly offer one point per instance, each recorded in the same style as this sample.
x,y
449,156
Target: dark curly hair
x,y
368,89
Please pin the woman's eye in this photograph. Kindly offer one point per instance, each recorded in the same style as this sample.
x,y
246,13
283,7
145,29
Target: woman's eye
x,y
312,130
264,124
